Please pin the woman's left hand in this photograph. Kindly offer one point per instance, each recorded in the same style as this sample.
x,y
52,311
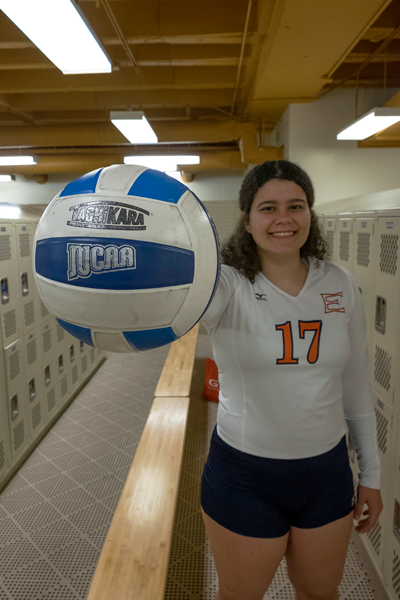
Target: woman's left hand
x,y
366,495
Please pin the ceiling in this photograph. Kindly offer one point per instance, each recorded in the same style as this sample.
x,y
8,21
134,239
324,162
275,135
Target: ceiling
x,y
210,76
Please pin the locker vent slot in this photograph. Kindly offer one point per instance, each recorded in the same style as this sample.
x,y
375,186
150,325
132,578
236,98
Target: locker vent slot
x,y
60,333
344,251
10,323
363,242
31,353
64,385
388,262
92,355
14,365
74,374
5,247
43,310
19,435
382,368
2,456
51,400
47,341
382,427
29,314
24,245
84,364
329,241
36,416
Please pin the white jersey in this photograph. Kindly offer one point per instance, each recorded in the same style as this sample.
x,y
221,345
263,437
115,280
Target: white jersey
x,y
293,369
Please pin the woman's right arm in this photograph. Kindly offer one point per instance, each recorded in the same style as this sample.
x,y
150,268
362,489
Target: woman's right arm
x,y
228,282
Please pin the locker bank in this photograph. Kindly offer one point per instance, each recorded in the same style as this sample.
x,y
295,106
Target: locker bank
x,y
102,453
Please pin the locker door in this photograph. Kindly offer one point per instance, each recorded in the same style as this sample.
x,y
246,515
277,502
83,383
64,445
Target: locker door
x,y
27,289
50,370
34,382
386,309
64,368
364,271
16,399
330,236
345,241
9,289
5,461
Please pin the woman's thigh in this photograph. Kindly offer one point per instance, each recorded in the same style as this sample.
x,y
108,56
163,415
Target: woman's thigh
x,y
245,565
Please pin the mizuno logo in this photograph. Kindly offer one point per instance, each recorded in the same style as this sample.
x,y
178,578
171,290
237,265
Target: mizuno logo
x,y
85,259
106,214
261,297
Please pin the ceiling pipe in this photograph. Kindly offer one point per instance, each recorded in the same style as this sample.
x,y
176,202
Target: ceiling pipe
x,y
241,55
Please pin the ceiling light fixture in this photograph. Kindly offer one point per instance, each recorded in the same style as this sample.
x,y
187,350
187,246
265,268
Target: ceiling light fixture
x,y
373,121
9,211
4,178
59,31
134,126
6,161
162,163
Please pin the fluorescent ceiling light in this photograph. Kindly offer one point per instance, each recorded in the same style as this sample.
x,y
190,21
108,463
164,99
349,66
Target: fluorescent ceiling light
x,y
58,30
8,211
134,126
373,121
17,160
162,163
4,178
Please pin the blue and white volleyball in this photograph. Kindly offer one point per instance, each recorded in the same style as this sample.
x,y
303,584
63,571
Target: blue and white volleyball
x,y
126,258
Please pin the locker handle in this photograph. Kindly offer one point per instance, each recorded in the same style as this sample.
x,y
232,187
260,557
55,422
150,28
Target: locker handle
x,y
47,378
60,364
71,353
396,520
380,314
24,283
14,407
5,296
32,391
82,346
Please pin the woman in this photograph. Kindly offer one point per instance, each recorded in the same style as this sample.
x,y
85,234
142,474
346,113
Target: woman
x,y
288,332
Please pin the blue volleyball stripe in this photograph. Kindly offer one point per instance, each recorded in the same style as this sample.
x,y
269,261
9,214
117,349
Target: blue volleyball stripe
x,y
83,185
158,186
83,334
150,338
155,265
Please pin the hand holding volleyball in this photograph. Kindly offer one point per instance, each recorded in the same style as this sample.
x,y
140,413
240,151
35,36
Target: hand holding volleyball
x,y
126,258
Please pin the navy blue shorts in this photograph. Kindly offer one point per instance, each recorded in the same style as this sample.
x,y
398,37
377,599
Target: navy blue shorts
x,y
262,497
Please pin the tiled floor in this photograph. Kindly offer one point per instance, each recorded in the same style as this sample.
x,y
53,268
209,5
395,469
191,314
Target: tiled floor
x,y
56,512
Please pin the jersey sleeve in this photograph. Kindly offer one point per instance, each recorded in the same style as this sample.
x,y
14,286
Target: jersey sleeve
x,y
228,282
358,403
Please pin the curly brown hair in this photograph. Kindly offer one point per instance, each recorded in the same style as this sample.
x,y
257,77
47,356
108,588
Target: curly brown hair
x,y
240,250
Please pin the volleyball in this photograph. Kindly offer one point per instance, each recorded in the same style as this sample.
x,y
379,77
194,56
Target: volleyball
x,y
126,258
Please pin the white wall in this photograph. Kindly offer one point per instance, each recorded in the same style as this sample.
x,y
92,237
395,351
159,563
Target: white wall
x,y
338,169
208,185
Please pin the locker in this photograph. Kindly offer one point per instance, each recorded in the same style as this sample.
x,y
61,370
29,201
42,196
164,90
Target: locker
x,y
34,382
9,289
364,270
345,241
386,304
50,370
4,428
64,368
27,288
16,399
392,524
330,235
74,361
375,540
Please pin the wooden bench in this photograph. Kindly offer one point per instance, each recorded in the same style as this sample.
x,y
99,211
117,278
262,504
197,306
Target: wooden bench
x,y
134,562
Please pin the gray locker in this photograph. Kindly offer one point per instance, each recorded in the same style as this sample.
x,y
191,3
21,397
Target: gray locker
x,y
364,270
330,236
34,382
4,427
386,300
27,288
64,366
16,399
50,370
9,289
345,241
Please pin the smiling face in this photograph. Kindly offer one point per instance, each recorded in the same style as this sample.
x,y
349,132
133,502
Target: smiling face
x,y
279,206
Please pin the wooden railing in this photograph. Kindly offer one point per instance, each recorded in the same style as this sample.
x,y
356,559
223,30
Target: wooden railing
x,y
134,561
